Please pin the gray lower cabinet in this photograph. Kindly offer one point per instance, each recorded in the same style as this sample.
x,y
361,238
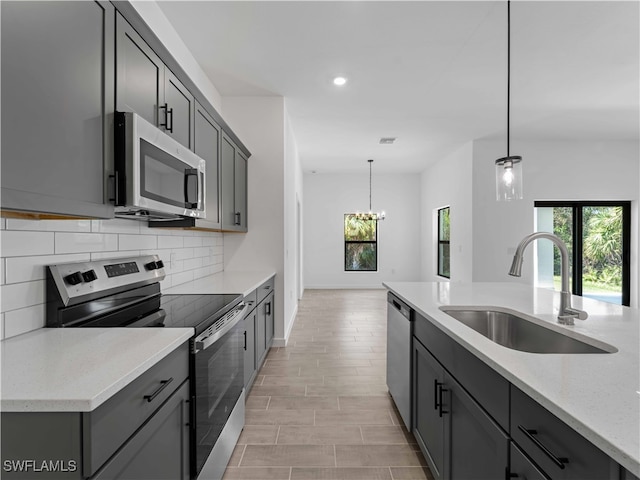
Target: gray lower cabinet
x,y
459,439
141,432
523,468
57,96
259,329
144,85
234,187
207,141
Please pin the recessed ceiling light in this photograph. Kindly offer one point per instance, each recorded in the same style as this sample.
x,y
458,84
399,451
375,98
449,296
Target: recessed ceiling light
x,y
339,81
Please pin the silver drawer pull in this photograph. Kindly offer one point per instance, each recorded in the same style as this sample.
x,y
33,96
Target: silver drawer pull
x,y
163,385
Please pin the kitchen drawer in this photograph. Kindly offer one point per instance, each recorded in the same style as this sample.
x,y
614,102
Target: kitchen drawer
x,y
251,299
484,384
106,428
265,289
558,449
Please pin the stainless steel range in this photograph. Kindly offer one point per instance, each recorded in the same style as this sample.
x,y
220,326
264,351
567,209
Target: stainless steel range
x,y
126,292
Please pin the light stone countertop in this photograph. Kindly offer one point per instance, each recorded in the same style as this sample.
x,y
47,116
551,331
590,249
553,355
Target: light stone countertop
x,y
598,395
226,282
78,369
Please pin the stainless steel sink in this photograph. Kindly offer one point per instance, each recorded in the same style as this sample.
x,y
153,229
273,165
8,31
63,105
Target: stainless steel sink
x,y
513,330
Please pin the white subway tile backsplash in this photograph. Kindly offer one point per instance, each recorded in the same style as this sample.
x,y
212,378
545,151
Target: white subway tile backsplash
x,y
18,244
24,320
49,225
27,269
116,225
170,242
85,242
21,295
137,242
29,245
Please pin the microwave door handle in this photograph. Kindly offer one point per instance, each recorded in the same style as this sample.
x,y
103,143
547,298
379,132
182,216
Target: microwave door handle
x,y
190,173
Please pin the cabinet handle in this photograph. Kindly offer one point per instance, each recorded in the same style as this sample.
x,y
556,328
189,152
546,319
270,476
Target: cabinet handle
x,y
435,393
529,433
237,219
267,308
163,385
508,474
441,411
168,112
245,339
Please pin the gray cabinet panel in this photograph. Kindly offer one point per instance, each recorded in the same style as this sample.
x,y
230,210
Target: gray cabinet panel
x,y
269,325
57,91
261,332
240,191
140,75
478,448
228,184
523,468
207,140
160,449
250,349
584,461
428,424
180,104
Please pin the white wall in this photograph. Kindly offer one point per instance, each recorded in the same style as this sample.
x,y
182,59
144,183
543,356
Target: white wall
x,y
27,246
551,171
448,182
260,123
327,197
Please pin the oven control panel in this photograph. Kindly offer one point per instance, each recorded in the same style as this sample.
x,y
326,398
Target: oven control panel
x,y
82,281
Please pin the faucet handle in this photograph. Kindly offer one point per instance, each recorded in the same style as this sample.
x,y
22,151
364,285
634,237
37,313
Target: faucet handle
x,y
566,318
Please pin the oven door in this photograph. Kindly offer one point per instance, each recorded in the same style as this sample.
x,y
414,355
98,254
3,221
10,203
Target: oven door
x,y
217,384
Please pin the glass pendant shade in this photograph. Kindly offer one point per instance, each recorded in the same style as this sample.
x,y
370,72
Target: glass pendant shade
x,y
509,178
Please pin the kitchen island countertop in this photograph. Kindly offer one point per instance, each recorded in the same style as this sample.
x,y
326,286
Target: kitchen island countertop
x,y
598,395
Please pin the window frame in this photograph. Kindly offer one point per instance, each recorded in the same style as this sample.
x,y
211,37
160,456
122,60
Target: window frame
x,y
358,242
578,247
441,241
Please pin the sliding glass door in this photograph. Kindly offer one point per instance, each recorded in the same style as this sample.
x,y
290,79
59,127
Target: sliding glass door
x,y
597,235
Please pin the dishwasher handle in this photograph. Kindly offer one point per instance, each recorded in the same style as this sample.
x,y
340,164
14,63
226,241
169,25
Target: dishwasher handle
x,y
397,304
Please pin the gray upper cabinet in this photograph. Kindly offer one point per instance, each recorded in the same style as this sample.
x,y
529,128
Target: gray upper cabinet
x,y
57,97
234,187
207,140
147,87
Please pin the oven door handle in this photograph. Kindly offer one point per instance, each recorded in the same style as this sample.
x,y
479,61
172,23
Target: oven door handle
x,y
202,342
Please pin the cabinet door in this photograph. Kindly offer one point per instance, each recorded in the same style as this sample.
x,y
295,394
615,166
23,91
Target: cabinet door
x,y
261,332
180,107
428,422
240,192
269,325
478,448
139,75
160,449
249,349
207,145
57,94
228,184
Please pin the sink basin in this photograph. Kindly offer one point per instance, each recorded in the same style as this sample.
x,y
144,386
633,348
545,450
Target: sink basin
x,y
513,330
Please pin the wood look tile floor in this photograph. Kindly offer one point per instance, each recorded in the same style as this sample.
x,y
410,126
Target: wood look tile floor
x,y
319,408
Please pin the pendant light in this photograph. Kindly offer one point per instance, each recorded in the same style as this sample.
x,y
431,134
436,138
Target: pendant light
x,y
371,215
509,168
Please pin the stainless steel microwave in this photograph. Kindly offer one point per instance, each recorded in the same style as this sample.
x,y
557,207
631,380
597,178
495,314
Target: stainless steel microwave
x,y
155,177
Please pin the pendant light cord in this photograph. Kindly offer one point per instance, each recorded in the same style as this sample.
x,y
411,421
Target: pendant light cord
x,y
370,165
508,71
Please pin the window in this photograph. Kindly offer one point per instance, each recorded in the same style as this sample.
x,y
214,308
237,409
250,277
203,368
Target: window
x,y
360,244
597,235
444,256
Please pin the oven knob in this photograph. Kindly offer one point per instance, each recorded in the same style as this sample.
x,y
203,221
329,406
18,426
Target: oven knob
x,y
151,265
74,278
159,264
89,276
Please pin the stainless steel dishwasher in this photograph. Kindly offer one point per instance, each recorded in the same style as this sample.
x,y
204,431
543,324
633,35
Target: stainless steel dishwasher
x,y
399,320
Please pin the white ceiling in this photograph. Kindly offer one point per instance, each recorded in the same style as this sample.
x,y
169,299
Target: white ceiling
x,y
431,73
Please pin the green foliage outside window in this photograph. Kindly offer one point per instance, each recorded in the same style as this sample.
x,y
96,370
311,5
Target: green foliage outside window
x,y
361,246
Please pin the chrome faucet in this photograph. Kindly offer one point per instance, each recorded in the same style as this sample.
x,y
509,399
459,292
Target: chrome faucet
x,y
567,313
